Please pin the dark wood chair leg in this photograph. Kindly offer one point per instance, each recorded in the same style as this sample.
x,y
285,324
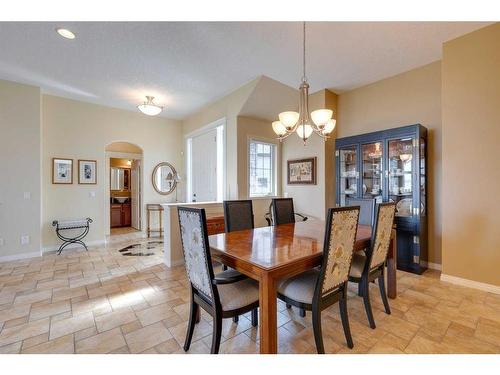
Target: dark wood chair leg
x,y
318,335
383,294
193,313
345,322
366,300
224,267
302,313
255,318
360,290
216,335
236,318
288,306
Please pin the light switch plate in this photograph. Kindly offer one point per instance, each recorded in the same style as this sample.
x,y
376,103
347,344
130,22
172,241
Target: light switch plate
x,y
27,195
25,240
92,194
2,242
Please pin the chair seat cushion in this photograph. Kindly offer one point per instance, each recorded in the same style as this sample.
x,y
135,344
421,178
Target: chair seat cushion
x,y
240,294
227,274
300,288
358,264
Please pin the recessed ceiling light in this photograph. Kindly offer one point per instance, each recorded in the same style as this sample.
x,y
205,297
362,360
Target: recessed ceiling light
x,y
65,33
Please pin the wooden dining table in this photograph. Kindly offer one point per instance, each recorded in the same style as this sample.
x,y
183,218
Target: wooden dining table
x,y
270,254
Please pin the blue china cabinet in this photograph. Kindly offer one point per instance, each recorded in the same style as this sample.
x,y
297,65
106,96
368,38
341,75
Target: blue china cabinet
x,y
390,166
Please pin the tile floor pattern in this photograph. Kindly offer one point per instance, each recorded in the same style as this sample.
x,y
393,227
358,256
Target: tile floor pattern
x,y
102,302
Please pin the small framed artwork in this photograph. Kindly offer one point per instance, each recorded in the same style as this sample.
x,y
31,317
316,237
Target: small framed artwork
x,y
301,172
62,171
87,172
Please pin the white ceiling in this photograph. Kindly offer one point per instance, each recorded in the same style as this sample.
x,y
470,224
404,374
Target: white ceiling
x,y
187,65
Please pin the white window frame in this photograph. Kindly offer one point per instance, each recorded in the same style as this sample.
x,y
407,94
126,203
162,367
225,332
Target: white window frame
x,y
274,174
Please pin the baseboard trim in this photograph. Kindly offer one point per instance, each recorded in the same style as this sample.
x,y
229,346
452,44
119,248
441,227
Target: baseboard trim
x,y
50,248
175,263
432,266
471,283
14,257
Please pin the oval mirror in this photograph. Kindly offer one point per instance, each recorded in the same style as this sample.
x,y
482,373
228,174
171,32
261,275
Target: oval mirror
x,y
164,178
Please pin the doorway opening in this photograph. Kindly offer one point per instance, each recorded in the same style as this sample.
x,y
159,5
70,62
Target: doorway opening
x,y
206,163
124,188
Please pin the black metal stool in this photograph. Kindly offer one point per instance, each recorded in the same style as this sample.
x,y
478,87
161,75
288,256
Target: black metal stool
x,y
69,225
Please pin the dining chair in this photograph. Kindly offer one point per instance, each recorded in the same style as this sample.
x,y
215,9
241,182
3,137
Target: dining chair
x,y
238,215
366,209
317,289
370,266
283,213
224,295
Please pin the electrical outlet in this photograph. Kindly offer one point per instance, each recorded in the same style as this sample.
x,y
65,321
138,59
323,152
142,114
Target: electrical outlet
x,y
2,242
25,240
27,195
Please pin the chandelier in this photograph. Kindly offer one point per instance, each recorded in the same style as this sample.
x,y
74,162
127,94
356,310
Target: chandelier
x,y
149,107
319,121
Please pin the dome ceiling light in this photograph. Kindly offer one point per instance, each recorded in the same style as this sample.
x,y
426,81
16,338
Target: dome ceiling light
x,y
149,107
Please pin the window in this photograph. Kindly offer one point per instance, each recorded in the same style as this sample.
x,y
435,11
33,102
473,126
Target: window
x,y
261,169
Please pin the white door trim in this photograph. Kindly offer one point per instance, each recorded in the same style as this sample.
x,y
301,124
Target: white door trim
x,y
189,136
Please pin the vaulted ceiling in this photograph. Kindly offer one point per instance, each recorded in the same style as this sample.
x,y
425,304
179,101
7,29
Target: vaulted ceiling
x,y
187,65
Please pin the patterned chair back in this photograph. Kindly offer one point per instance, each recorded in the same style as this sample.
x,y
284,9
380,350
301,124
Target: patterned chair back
x,y
340,236
193,228
282,210
381,236
238,215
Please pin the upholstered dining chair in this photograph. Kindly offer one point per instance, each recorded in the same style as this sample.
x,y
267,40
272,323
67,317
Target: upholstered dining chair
x,y
282,211
224,295
366,209
238,215
370,265
317,289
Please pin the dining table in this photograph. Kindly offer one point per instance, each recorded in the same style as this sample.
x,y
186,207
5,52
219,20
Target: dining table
x,y
273,253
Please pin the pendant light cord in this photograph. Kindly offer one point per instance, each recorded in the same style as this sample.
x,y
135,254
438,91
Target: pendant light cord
x,y
304,79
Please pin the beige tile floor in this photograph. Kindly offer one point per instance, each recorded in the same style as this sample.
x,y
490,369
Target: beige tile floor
x,y
102,302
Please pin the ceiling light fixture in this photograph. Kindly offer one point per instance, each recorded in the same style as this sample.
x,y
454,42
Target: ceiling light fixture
x,y
65,33
319,121
149,108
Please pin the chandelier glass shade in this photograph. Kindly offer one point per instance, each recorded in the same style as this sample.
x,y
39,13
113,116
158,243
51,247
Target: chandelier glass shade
x,y
304,123
149,107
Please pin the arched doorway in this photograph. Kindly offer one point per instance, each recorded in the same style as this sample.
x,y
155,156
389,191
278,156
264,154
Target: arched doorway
x,y
123,189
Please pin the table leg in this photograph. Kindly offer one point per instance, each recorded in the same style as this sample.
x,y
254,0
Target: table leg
x,y
391,267
268,318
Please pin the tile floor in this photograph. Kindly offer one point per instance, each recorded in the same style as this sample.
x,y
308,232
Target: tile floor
x,y
102,302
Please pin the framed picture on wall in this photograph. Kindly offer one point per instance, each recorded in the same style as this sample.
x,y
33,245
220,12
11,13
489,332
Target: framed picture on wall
x,y
87,172
62,171
301,171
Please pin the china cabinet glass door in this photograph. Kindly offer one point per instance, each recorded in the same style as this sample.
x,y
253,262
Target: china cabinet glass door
x,y
348,173
401,175
372,168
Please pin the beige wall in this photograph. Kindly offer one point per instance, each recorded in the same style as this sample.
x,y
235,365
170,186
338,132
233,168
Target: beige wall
x,y
312,200
408,98
20,147
79,130
471,169
227,107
